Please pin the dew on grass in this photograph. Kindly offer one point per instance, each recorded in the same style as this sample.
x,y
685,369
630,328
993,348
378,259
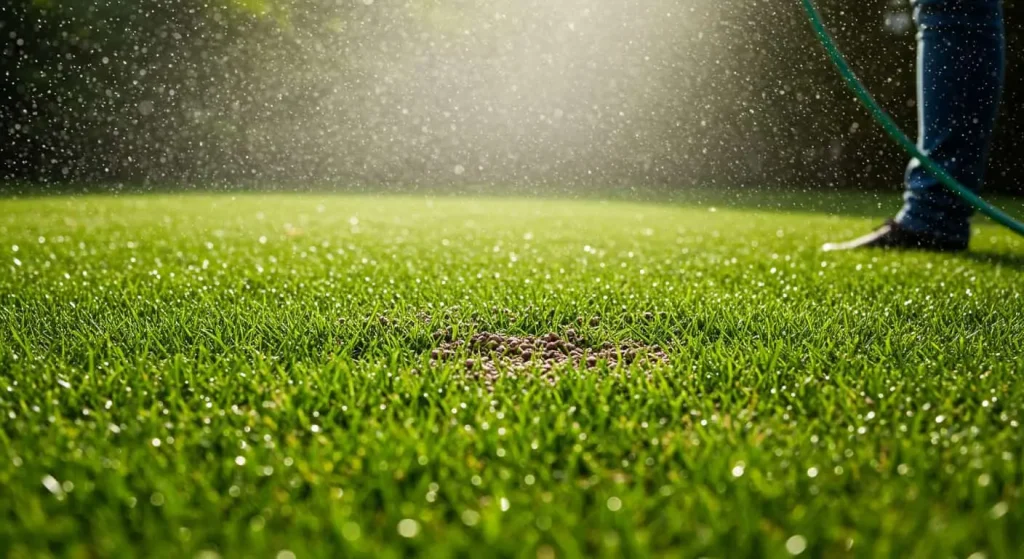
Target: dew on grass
x,y
614,504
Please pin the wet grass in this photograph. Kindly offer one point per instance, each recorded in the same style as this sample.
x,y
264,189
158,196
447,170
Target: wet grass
x,y
182,376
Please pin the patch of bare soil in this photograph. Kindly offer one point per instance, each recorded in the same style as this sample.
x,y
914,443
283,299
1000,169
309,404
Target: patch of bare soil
x,y
493,355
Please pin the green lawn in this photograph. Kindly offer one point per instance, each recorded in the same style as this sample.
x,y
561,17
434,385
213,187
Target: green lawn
x,y
249,376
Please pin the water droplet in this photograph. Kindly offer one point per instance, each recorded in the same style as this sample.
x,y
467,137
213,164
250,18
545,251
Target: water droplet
x,y
796,544
53,486
999,510
470,517
408,528
738,469
350,531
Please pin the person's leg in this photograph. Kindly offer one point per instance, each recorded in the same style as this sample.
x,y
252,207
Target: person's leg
x,y
960,79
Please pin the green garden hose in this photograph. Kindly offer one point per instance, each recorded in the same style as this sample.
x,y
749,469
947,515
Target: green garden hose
x,y
893,129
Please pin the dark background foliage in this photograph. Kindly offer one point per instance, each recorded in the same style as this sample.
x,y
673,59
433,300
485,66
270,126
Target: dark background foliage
x,y
430,93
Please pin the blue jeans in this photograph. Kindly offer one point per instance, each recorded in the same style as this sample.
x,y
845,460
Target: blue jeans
x,y
960,72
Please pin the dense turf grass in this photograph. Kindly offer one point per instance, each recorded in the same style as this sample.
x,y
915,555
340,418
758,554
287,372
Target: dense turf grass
x,y
249,376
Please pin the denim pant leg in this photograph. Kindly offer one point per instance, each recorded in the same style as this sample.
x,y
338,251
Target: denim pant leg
x,y
960,71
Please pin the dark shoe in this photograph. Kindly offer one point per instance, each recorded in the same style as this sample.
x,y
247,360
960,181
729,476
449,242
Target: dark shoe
x,y
892,235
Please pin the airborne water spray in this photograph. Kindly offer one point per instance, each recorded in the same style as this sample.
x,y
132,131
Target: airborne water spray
x,y
893,129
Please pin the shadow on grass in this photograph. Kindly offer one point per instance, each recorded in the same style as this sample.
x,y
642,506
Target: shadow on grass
x,y
818,200
1001,259
877,204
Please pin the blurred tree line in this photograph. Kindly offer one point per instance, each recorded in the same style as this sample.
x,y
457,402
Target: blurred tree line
x,y
432,93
